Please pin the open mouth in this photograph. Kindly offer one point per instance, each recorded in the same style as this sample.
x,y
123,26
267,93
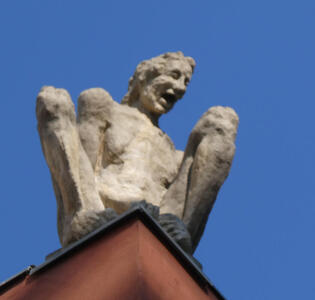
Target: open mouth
x,y
170,98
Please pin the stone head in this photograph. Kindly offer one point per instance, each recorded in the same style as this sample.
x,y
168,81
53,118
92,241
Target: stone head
x,y
159,82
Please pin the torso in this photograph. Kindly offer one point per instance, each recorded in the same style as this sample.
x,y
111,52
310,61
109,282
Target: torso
x,y
139,160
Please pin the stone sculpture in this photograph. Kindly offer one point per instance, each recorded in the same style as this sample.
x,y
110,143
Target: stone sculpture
x,y
114,155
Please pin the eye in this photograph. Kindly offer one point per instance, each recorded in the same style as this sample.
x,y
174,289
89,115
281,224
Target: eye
x,y
220,131
175,74
186,81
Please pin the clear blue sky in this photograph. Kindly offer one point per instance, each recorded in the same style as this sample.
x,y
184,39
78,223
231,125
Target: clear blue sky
x,y
256,56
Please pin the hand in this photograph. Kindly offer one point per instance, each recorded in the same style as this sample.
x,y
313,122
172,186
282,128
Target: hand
x,y
153,210
177,231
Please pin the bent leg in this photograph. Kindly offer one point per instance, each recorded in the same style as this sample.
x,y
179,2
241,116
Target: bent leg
x,y
214,135
71,171
94,109
205,166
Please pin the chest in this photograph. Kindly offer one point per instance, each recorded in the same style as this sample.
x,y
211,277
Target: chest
x,y
131,139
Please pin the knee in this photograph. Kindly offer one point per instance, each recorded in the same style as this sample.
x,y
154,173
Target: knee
x,y
53,103
93,102
218,121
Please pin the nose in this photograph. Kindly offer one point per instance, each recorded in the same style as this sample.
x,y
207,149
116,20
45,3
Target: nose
x,y
180,87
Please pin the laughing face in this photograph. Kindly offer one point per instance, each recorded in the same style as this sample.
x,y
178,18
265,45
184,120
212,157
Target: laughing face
x,y
159,94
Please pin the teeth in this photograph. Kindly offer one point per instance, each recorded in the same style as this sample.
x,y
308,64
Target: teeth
x,y
163,101
169,91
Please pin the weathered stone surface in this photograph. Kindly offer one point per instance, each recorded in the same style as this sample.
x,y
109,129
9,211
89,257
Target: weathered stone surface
x,y
115,154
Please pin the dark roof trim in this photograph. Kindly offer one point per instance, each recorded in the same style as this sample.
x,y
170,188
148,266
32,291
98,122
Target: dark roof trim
x,y
5,285
136,212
